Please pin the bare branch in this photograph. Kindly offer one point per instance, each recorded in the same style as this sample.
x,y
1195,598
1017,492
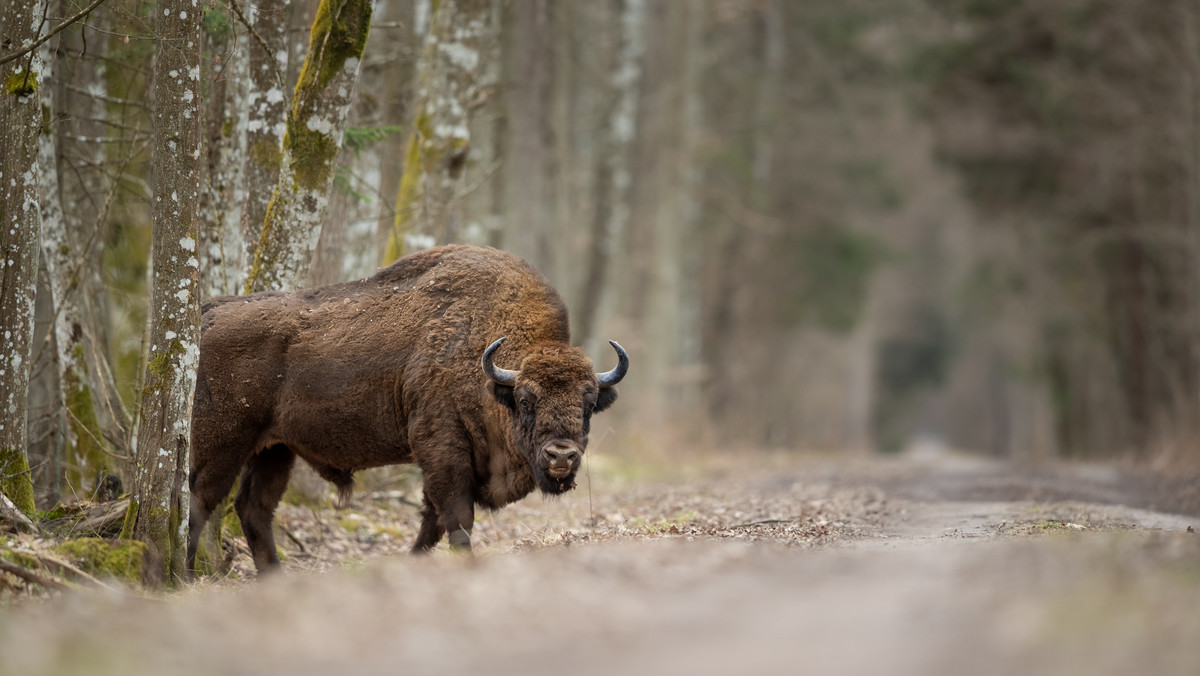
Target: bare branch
x,y
57,29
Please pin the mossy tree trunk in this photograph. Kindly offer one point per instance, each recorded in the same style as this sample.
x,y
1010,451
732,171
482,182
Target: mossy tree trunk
x,y
74,193
20,233
311,143
448,86
613,177
161,455
266,108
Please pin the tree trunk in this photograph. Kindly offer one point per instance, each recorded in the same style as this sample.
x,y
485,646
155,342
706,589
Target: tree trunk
x,y
612,182
266,108
440,138
310,145
160,490
672,304
225,73
20,232
74,195
528,118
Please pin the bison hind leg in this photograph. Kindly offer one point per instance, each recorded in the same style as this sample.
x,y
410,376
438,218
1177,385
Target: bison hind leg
x,y
263,483
209,485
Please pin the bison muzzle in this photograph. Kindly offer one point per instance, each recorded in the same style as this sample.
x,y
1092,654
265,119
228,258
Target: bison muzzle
x,y
401,367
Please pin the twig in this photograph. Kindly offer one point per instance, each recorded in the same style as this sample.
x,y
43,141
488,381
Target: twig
x,y
66,565
30,576
762,522
10,512
261,42
293,538
57,29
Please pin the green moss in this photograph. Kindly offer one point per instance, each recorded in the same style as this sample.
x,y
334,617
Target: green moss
x,y
351,525
15,481
87,459
130,520
24,83
120,559
311,154
21,559
231,524
266,155
160,366
339,32
406,197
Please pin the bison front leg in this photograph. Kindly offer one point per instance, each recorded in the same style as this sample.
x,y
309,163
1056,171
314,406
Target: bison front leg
x,y
449,509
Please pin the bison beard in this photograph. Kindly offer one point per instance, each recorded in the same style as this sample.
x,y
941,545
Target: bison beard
x,y
399,367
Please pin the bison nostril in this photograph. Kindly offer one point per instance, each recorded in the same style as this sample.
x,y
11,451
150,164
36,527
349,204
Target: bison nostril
x,y
568,457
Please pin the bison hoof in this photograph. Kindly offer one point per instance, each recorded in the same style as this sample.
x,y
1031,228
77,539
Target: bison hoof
x,y
460,540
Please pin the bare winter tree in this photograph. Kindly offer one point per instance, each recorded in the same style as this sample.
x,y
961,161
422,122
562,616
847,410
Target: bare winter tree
x,y
74,202
159,507
315,126
20,233
447,83
613,175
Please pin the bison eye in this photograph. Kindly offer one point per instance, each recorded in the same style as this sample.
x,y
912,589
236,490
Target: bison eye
x,y
525,405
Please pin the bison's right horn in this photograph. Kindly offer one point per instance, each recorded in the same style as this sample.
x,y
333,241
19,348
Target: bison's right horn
x,y
502,376
610,378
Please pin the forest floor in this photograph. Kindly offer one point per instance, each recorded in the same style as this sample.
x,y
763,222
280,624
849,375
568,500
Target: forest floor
x,y
926,564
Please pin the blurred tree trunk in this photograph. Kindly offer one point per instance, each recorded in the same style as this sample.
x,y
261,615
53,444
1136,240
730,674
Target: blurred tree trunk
x,y
613,176
673,294
482,216
20,232
435,156
732,239
226,74
395,95
529,127
315,127
266,112
159,510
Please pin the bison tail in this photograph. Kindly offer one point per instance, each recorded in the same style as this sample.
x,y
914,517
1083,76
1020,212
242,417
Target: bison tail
x,y
344,492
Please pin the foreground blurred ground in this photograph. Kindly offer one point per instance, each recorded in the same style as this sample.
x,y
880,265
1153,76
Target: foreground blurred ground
x,y
934,564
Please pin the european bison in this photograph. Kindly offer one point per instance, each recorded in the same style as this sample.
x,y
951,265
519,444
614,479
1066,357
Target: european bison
x,y
399,367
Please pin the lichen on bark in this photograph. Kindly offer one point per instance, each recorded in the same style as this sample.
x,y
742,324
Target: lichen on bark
x,y
315,124
450,80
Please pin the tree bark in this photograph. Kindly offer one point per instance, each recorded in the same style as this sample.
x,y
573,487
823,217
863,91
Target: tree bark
x,y
310,145
225,71
73,200
612,181
266,108
160,490
529,128
440,138
20,232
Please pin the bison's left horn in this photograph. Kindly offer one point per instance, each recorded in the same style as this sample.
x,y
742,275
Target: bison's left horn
x,y
610,378
502,376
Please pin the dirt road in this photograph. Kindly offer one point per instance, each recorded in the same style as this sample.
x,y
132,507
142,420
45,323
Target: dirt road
x,y
941,565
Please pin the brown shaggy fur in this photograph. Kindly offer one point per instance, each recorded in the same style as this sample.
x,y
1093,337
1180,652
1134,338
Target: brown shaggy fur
x,y
386,370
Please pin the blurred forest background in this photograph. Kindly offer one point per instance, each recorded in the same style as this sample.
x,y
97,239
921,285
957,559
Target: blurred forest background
x,y
851,224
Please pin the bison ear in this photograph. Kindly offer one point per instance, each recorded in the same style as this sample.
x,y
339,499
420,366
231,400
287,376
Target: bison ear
x,y
503,394
605,399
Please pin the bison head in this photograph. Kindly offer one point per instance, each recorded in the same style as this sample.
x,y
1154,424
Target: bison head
x,y
552,398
